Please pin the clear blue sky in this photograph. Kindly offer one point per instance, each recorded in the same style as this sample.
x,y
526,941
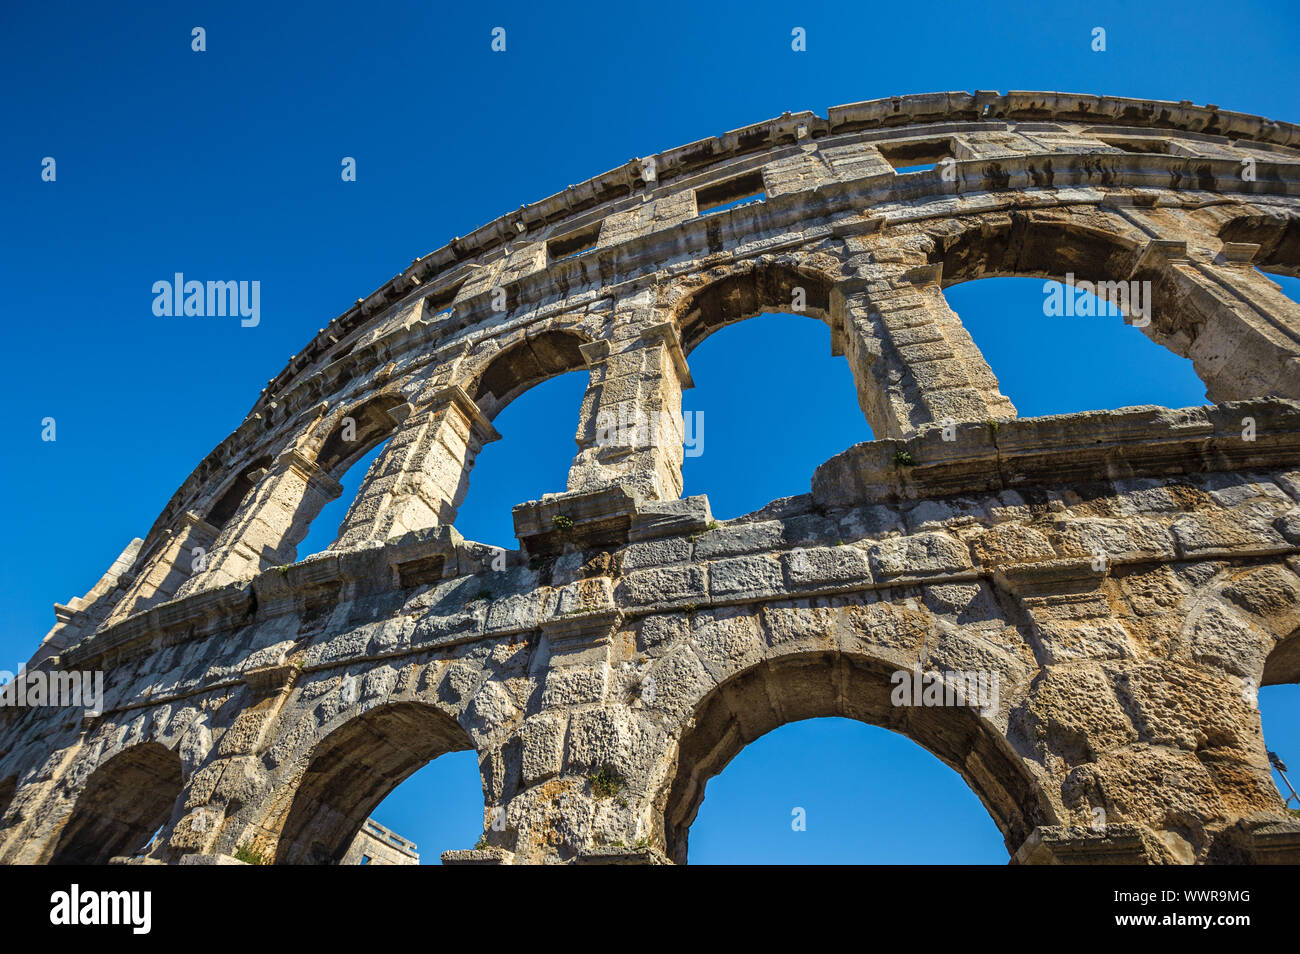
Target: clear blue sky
x,y
226,164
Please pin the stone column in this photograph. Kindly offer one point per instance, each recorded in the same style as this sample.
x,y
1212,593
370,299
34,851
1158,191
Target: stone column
x,y
1240,332
630,431
912,360
173,563
422,475
269,524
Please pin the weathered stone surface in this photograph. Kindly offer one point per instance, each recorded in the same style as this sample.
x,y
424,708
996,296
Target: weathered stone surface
x,y
1130,577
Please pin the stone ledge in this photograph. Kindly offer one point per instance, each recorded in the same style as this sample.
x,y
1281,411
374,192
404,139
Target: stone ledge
x,y
1062,449
1078,845
1276,844
478,856
583,519
1267,841
606,855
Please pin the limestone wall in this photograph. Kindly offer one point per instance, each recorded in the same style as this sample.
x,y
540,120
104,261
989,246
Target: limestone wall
x,y
1129,576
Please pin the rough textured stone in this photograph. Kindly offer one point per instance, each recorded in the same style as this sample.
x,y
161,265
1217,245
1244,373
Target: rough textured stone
x,y
1129,576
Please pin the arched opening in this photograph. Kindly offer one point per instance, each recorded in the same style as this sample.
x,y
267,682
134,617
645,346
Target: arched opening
x,y
1279,714
354,769
532,392
324,529
750,291
770,400
439,807
1187,310
769,403
125,801
837,791
1058,350
348,452
817,685
228,503
525,365
356,432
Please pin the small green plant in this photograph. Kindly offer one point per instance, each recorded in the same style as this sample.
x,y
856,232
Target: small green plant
x,y
993,425
562,523
711,525
250,857
606,783
282,570
642,842
481,843
903,459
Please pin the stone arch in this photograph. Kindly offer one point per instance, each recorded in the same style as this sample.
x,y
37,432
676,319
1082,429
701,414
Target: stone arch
x,y
352,769
125,800
1241,336
236,490
275,511
1245,619
816,684
747,290
421,480
525,364
372,421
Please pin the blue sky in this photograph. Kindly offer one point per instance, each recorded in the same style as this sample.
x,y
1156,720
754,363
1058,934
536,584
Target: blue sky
x,y
226,164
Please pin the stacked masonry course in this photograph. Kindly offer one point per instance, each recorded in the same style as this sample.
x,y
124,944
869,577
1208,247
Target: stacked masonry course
x,y
629,649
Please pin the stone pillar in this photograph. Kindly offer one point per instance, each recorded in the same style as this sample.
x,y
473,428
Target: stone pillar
x,y
912,360
422,475
580,792
630,431
266,529
1240,332
173,563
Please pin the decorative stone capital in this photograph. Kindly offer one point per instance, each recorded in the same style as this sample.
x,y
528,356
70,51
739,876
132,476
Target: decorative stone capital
x,y
293,459
668,333
594,352
456,395
1158,252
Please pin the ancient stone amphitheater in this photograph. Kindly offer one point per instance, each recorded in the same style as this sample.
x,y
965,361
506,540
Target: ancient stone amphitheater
x,y
1129,576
